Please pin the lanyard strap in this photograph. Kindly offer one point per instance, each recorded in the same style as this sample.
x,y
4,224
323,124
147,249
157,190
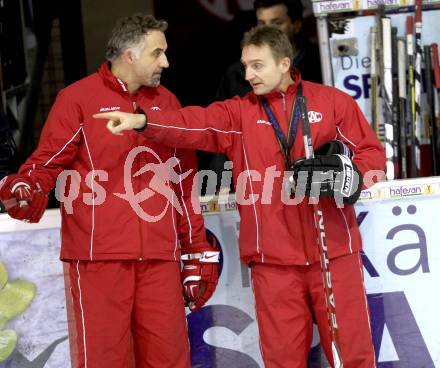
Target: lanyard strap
x,y
285,143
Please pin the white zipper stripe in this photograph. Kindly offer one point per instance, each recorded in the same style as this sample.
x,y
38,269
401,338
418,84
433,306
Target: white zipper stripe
x,y
176,237
183,202
176,246
82,315
348,230
253,202
93,197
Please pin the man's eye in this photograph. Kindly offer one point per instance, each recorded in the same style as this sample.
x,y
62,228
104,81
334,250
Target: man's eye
x,y
257,66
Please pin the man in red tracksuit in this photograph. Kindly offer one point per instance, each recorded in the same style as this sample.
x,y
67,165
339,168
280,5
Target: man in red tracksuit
x,y
278,237
127,211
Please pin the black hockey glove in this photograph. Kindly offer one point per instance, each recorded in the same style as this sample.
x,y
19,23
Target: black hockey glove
x,y
334,147
330,174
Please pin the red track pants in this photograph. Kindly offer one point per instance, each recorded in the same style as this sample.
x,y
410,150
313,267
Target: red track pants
x,y
115,299
286,299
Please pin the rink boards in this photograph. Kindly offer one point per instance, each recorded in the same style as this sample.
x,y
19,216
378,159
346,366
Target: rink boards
x,y
400,227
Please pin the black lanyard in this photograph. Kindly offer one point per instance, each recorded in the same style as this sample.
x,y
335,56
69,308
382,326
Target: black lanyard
x,y
285,143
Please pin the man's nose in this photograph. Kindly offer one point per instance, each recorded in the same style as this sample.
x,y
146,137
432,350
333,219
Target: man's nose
x,y
164,61
249,74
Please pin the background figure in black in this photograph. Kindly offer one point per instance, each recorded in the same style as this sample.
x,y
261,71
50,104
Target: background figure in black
x,y
286,15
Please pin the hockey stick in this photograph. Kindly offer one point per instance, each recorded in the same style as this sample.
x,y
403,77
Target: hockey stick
x,y
436,67
412,109
387,96
429,86
374,80
396,103
402,109
418,84
325,262
380,127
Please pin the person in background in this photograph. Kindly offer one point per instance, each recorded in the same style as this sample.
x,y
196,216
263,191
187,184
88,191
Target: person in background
x,y
261,134
133,216
286,15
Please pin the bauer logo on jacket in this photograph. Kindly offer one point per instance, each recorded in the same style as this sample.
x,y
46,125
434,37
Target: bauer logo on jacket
x,y
315,117
155,108
111,108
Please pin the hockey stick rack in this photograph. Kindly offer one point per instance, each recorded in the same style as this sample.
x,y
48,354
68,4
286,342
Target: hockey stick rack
x,y
377,52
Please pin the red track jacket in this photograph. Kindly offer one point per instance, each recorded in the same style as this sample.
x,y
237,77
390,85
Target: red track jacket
x,y
104,226
270,230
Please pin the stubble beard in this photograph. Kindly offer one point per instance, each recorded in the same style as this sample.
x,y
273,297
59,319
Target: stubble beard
x,y
154,82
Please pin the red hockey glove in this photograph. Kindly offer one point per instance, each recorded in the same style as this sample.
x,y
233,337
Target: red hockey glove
x,y
200,273
31,201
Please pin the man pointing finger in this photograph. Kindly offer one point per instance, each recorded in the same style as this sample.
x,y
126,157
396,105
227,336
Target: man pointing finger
x,y
120,121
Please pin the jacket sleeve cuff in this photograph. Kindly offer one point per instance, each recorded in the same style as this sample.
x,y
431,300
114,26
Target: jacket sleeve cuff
x,y
139,110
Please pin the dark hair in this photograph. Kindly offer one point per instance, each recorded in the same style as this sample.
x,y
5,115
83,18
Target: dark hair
x,y
130,31
276,39
294,7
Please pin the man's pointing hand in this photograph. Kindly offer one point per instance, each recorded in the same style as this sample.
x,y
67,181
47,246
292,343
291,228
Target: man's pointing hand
x,y
119,121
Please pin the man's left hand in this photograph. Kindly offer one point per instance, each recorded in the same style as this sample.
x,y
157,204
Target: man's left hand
x,y
199,274
327,176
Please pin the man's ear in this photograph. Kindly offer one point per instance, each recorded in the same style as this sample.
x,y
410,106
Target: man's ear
x,y
285,64
129,56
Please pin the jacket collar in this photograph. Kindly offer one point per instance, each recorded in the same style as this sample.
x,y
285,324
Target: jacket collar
x,y
291,90
111,81
120,86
